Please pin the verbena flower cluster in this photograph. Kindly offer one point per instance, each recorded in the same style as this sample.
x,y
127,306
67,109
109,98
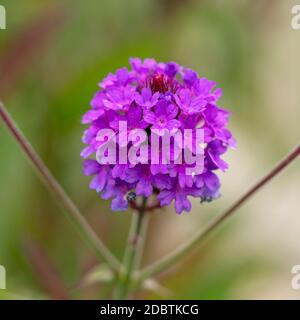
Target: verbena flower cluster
x,y
162,96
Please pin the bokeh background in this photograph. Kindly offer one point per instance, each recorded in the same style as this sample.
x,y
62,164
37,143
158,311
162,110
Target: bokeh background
x,y
52,56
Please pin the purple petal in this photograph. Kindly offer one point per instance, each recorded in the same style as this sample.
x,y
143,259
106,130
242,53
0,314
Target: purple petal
x,y
150,117
190,77
173,124
92,115
119,204
211,181
90,167
144,188
165,197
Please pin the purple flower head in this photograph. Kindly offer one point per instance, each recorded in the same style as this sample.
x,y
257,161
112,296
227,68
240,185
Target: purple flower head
x,y
156,97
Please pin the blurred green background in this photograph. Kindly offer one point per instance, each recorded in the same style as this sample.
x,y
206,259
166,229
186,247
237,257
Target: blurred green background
x,y
52,56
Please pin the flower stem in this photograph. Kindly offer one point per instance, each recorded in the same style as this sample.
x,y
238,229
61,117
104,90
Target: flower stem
x,y
180,252
132,253
143,236
72,211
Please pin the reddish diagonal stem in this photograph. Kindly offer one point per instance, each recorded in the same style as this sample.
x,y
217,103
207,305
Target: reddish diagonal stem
x,y
74,214
180,252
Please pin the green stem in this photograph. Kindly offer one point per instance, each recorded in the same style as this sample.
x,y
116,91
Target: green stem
x,y
132,253
180,252
87,233
143,236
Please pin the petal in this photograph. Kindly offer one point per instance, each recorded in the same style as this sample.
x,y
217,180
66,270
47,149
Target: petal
x,y
119,171
108,81
133,174
178,205
149,63
122,75
86,152
155,97
134,115
98,183
119,204
197,105
136,63
110,105
139,99
182,180
211,181
173,124
172,111
187,205
199,181
146,94
190,77
109,190
165,197
90,167
221,164
144,188
182,203
92,115
185,96
162,181
161,108
171,69
150,117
